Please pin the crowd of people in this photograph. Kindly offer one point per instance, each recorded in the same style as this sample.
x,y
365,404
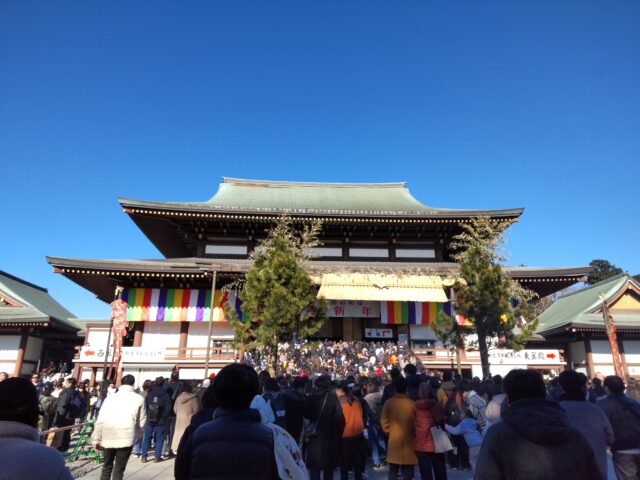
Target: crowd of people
x,y
335,358
308,426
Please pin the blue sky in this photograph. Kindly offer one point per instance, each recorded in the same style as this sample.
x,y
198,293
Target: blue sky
x,y
489,104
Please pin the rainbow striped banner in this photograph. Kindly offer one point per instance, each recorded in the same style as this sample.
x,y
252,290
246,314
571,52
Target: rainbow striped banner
x,y
411,313
176,304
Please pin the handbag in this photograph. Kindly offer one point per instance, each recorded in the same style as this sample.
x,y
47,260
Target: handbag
x,y
311,427
441,440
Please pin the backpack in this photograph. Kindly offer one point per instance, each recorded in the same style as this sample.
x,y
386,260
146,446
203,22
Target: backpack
x,y
75,406
478,408
452,411
154,411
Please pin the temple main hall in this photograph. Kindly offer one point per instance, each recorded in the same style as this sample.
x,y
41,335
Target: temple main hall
x,y
385,267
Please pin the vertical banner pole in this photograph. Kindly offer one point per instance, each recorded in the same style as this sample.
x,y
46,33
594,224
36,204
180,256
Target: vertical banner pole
x,y
212,306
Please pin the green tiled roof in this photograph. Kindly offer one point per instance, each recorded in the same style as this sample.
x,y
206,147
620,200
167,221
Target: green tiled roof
x,y
37,304
574,308
266,196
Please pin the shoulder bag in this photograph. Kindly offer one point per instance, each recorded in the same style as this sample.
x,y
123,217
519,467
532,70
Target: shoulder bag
x,y
311,427
441,440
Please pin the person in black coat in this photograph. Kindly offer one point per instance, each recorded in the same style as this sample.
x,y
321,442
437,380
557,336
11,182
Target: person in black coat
x,y
157,404
534,440
323,450
390,389
66,411
235,445
624,414
294,407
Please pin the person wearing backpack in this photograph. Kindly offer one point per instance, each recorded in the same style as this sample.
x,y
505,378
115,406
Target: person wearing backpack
x,y
67,410
459,457
157,405
477,404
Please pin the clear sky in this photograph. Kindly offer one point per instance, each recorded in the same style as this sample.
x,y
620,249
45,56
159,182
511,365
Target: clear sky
x,y
489,104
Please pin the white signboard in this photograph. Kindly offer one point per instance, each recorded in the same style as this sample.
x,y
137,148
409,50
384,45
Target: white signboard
x,y
142,354
524,357
353,309
92,354
378,333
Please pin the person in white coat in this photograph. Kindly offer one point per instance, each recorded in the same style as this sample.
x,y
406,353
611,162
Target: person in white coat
x,y
120,423
22,456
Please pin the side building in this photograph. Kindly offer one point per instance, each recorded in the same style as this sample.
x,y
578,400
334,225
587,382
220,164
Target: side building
x,y
575,324
35,330
384,257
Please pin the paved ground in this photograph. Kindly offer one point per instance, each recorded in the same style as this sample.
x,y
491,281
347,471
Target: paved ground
x,y
137,470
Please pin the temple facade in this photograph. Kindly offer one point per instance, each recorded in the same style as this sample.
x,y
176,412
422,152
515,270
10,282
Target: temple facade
x,y
385,267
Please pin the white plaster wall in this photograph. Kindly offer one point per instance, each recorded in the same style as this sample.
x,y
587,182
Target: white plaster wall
x,y
198,332
7,367
159,334
97,338
197,337
9,346
632,351
421,332
601,351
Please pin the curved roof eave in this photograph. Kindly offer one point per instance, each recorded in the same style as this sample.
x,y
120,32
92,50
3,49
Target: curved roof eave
x,y
206,207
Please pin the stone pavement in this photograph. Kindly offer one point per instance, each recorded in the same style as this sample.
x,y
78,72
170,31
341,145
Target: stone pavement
x,y
136,470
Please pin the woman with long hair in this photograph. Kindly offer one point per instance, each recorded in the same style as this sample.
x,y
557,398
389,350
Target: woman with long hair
x,y
185,407
429,413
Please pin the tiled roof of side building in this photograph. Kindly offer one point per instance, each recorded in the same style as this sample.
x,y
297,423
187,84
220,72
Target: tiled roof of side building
x,y
35,302
310,198
575,307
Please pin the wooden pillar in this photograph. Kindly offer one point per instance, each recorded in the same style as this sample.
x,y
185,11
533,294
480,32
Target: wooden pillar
x,y
137,335
568,357
94,372
357,328
347,332
20,358
184,334
623,356
591,371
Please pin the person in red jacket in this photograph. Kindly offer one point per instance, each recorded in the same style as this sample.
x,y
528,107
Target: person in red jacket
x,y
428,413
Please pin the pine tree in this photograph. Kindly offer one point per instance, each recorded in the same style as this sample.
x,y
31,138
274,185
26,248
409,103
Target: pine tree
x,y
602,270
278,296
498,307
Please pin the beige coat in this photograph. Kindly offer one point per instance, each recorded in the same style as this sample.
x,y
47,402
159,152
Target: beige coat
x,y
186,406
121,419
398,422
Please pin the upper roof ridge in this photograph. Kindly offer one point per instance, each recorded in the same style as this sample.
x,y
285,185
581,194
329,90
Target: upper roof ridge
x,y
288,183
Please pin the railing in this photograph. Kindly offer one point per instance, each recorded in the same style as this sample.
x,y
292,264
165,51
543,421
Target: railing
x,y
439,355
200,353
